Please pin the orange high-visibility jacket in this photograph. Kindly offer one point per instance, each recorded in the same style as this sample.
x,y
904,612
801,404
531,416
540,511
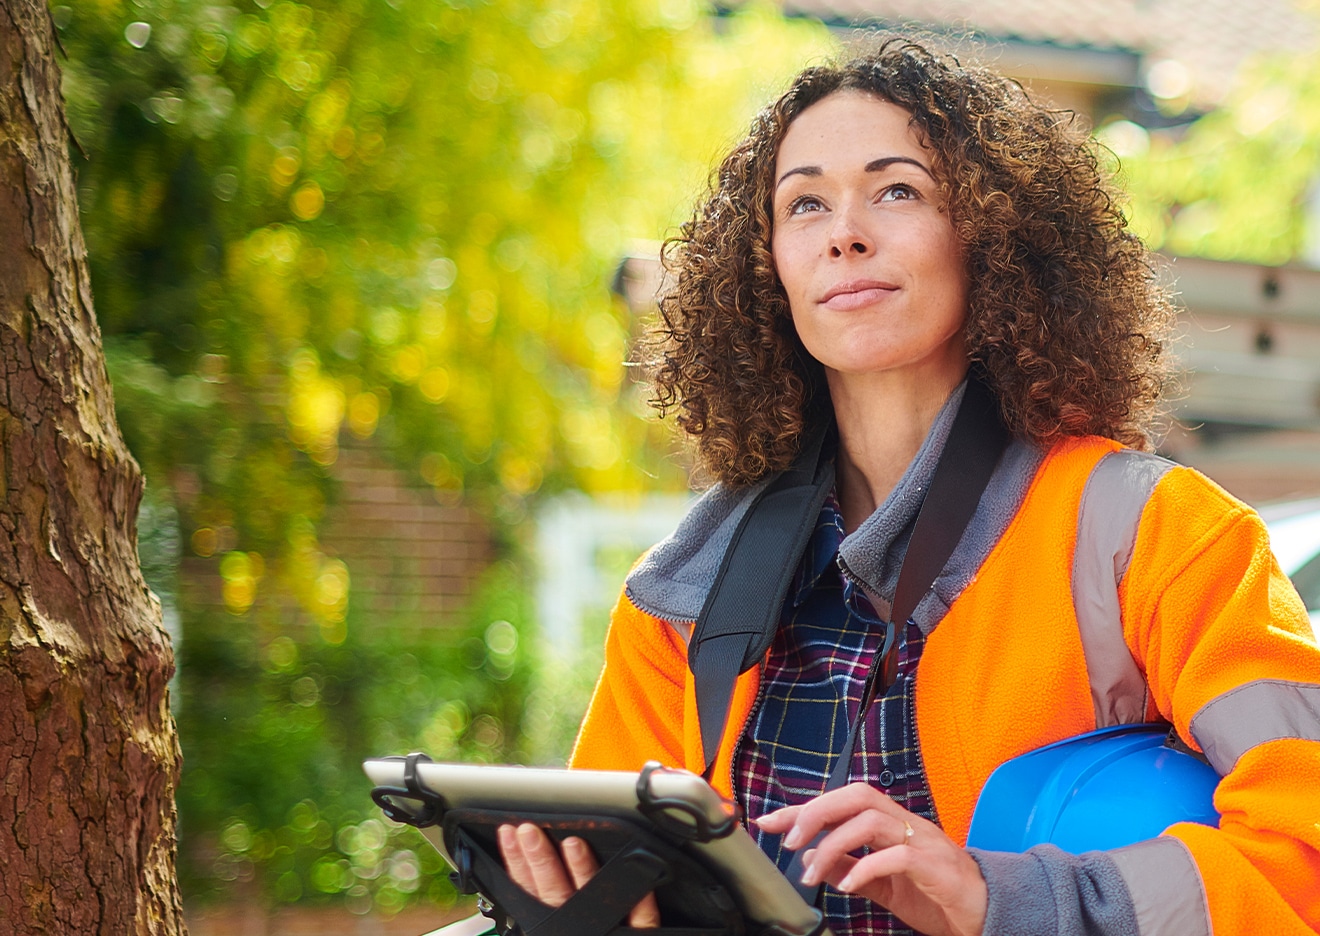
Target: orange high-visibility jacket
x,y
1121,589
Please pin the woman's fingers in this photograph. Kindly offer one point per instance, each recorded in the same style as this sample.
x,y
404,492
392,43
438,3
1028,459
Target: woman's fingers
x,y
582,866
550,878
535,865
826,811
646,915
915,870
828,871
781,820
876,866
581,862
515,862
869,829
934,889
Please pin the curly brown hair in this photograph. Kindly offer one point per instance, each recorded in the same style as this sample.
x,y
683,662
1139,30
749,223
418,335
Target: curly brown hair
x,y
1066,319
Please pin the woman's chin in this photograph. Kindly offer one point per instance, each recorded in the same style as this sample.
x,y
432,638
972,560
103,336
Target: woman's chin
x,y
883,366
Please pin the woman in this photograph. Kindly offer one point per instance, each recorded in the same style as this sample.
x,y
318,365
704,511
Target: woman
x,y
891,228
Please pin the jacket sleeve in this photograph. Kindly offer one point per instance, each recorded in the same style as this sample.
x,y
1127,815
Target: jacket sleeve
x,y
1045,891
636,711
1230,659
1228,656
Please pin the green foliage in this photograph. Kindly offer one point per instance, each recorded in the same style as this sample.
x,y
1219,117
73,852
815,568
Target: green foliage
x,y
392,220
395,220
275,731
1241,183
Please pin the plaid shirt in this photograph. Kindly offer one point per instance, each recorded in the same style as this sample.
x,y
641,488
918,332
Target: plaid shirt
x,y
810,692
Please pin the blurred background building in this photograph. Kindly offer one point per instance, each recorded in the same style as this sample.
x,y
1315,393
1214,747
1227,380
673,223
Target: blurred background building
x,y
1156,62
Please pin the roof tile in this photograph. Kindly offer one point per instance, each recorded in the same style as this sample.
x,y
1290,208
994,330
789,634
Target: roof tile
x,y
1211,37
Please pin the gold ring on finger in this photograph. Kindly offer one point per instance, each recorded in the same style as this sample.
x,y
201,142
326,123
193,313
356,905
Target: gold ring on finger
x,y
907,832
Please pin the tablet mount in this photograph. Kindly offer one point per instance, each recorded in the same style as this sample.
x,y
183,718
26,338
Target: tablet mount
x,y
637,858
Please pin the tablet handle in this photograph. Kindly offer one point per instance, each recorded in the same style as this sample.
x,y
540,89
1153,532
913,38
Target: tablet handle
x,y
692,823
431,805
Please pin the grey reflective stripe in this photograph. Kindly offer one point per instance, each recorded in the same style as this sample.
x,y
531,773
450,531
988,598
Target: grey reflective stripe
x,y
1166,888
1107,520
1231,724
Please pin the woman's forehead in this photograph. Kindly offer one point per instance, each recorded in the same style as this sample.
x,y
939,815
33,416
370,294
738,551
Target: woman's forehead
x,y
847,128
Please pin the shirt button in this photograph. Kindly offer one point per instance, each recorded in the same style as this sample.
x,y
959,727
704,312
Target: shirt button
x,y
886,778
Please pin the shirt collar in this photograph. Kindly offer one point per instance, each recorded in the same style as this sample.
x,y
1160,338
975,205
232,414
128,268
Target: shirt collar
x,y
821,552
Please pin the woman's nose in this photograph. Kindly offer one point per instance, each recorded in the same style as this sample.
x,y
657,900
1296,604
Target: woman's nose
x,y
848,236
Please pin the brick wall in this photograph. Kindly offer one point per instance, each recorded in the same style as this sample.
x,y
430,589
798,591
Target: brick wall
x,y
411,560
406,553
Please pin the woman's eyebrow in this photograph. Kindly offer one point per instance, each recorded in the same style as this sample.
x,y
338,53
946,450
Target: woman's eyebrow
x,y
800,170
879,165
875,165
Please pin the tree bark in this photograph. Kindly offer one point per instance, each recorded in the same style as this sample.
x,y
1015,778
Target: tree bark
x,y
88,751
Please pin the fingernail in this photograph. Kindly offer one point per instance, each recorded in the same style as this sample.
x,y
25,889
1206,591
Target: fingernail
x,y
794,838
846,885
809,876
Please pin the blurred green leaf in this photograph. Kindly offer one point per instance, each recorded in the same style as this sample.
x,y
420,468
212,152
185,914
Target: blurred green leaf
x,y
1243,182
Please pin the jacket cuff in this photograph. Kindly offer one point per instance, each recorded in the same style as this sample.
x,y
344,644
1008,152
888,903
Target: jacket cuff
x,y
1048,892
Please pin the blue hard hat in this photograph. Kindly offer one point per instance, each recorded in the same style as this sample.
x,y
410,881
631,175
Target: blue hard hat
x,y
1100,790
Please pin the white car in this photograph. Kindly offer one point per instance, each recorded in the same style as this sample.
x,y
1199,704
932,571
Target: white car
x,y
1295,536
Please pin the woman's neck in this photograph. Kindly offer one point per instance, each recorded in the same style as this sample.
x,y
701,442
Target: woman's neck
x,y
883,419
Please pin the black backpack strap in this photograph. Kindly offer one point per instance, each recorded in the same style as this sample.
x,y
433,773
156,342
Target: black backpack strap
x,y
741,613
976,440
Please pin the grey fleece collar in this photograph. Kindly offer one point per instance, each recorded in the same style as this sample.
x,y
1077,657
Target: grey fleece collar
x,y
672,580
873,553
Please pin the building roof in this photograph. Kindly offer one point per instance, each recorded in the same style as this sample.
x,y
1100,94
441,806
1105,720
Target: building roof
x,y
1210,38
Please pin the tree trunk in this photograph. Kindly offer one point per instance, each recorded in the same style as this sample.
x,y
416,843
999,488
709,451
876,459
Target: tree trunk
x,y
88,752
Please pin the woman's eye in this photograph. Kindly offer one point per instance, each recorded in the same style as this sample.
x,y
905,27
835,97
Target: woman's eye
x,y
899,191
804,204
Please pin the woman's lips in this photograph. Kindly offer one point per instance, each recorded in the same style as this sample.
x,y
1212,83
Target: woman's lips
x,y
847,296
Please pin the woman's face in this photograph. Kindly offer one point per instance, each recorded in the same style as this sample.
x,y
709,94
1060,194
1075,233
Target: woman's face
x,y
862,244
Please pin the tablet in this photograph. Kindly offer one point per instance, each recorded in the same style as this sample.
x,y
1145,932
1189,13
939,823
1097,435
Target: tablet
x,y
680,817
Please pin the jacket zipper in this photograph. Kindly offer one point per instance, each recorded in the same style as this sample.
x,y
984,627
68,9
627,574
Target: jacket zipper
x,y
742,733
916,738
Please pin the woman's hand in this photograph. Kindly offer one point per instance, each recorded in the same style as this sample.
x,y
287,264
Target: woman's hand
x,y
537,867
914,870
